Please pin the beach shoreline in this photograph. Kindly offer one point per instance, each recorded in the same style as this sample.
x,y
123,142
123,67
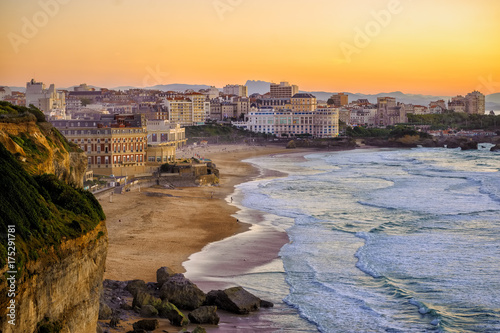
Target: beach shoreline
x,y
162,227
166,227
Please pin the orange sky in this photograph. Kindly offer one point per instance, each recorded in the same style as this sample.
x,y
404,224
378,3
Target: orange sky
x,y
444,47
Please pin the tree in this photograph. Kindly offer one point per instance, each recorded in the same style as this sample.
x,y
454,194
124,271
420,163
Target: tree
x,y
85,101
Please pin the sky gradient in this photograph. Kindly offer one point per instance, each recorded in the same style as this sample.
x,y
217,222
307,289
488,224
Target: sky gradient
x,y
444,47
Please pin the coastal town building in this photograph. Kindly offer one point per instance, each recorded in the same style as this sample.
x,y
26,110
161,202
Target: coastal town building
x,y
322,122
457,104
230,108
235,89
275,103
388,112
283,90
211,92
4,92
362,117
339,100
187,109
115,144
475,103
441,103
302,102
51,102
162,132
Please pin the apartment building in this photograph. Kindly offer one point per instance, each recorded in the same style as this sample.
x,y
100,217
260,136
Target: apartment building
x,y
49,101
339,99
187,109
475,103
235,89
283,90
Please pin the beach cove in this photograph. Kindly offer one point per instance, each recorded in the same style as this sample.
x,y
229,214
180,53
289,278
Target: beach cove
x,y
164,227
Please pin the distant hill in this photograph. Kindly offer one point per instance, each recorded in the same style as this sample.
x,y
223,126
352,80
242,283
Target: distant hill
x,y
493,98
372,98
20,89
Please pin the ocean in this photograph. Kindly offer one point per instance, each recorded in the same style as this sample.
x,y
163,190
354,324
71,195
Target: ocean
x,y
381,240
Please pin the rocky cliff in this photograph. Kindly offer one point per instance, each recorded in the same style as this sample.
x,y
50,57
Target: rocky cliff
x,y
61,289
41,149
53,239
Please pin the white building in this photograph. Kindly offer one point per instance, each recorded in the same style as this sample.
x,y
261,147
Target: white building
x,y
162,132
4,92
49,101
362,117
322,123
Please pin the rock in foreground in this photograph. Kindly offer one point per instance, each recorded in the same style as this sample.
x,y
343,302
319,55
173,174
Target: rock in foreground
x,y
235,300
182,292
205,315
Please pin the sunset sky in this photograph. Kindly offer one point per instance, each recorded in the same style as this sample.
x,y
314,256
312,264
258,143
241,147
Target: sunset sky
x,y
444,47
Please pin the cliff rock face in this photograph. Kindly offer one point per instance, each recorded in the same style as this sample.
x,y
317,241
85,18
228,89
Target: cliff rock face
x,y
53,235
64,288
43,150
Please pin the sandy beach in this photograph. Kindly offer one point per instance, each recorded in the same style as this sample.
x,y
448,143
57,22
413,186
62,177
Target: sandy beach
x,y
147,232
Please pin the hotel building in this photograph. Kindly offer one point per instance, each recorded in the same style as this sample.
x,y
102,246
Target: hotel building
x,y
321,123
115,145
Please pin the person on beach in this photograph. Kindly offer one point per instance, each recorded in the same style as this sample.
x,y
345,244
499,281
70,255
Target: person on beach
x,y
231,199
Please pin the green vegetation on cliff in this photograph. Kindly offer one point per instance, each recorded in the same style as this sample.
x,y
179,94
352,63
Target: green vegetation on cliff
x,y
216,133
391,132
43,209
457,120
15,113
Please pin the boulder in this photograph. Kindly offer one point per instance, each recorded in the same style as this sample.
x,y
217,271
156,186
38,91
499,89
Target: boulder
x,y
146,324
495,147
143,298
469,145
236,300
105,311
170,311
163,274
135,285
204,315
266,304
148,311
199,329
182,292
